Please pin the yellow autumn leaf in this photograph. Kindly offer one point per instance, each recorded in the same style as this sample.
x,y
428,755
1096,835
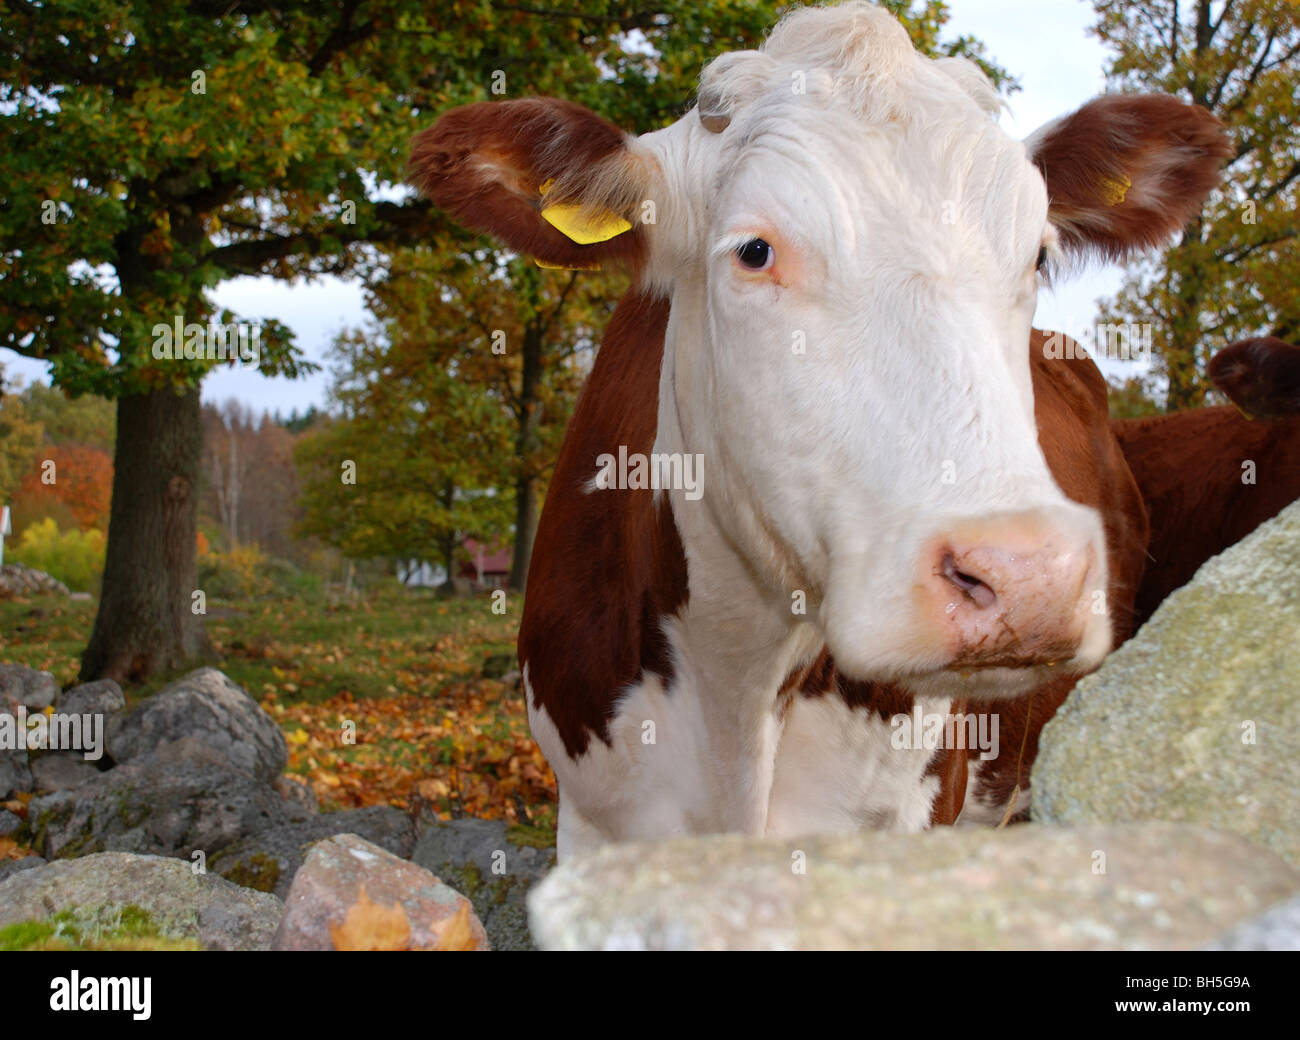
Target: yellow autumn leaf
x,y
455,932
372,926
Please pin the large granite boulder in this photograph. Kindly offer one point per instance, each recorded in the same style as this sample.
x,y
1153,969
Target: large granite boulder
x,y
181,798
1197,718
352,895
211,708
96,893
101,697
1154,886
1277,928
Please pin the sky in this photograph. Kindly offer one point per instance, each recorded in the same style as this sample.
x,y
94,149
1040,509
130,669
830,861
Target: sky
x,y
1043,43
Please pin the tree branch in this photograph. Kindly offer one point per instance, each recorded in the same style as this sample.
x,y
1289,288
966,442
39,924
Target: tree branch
x,y
401,224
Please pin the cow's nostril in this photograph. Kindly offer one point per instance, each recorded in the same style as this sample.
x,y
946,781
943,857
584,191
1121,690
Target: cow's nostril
x,y
972,587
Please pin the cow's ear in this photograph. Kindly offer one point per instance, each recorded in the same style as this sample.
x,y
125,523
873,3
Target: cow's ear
x,y
1260,376
550,179
1125,172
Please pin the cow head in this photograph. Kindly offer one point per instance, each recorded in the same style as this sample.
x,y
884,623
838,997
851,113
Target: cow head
x,y
853,249
1260,376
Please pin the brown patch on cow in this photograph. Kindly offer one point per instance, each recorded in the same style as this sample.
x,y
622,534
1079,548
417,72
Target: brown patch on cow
x,y
1125,172
950,765
1260,376
608,566
1189,466
485,163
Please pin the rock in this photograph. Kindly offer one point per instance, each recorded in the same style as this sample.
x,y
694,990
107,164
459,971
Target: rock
x,y
101,697
478,858
330,883
299,798
210,707
9,867
15,772
171,802
17,579
269,859
1196,718
179,903
61,771
1164,887
9,823
1277,928
27,686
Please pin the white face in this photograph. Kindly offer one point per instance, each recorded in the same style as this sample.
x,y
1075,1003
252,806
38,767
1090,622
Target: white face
x,y
852,305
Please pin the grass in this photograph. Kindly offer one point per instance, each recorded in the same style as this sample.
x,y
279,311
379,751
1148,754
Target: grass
x,y
126,928
384,698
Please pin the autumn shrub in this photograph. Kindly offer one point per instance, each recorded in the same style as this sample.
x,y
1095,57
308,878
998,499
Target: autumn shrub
x,y
238,573
75,557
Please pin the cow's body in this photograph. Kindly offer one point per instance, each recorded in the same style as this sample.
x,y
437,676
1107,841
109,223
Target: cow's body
x,y
906,506
1209,477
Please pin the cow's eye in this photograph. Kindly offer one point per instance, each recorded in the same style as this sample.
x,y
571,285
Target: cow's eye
x,y
1042,258
755,255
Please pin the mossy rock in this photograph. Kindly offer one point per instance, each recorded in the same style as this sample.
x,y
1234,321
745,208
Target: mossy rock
x,y
120,897
530,836
105,927
258,871
493,865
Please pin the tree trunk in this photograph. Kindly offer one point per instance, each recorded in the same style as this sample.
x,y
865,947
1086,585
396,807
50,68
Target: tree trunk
x,y
448,554
146,623
447,544
525,530
526,445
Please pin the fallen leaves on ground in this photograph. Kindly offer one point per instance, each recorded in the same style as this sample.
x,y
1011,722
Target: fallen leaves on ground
x,y
467,751
404,667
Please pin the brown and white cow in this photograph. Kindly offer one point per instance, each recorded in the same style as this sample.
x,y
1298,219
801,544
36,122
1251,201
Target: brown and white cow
x,y
898,503
1260,376
1210,476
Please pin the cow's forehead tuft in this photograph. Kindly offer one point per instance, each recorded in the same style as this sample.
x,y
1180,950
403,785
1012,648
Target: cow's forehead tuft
x,y
857,55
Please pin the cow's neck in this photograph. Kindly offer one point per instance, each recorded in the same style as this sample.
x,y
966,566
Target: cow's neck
x,y
737,639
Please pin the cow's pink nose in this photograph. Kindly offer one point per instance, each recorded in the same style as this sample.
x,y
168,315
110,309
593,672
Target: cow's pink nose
x,y
1015,597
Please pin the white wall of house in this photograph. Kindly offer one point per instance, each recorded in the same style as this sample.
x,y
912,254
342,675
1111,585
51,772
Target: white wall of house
x,y
420,574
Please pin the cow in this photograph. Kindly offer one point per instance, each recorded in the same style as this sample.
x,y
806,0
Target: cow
x,y
1210,476
904,505
1260,376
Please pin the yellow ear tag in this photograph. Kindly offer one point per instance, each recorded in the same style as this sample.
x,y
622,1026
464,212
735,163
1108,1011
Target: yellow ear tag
x,y
566,267
585,229
1113,192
